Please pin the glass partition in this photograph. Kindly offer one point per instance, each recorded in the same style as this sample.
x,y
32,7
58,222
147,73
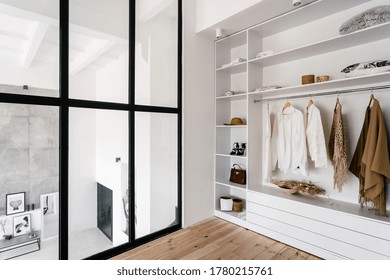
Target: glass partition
x,y
99,50
156,47
98,181
156,176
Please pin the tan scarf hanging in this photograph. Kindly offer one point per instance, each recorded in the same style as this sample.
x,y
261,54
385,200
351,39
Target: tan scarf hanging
x,y
370,162
338,149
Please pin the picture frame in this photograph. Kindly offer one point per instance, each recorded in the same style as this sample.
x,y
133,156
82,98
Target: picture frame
x,y
22,224
15,203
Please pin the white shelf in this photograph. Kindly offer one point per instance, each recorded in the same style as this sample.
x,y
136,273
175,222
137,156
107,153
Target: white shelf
x,y
230,216
364,36
313,11
234,69
230,156
334,85
231,185
232,97
230,126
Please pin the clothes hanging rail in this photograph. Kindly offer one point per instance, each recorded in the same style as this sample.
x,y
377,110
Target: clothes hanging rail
x,y
327,93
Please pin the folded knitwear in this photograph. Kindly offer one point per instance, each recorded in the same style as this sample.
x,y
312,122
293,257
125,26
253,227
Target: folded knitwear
x,y
234,62
264,88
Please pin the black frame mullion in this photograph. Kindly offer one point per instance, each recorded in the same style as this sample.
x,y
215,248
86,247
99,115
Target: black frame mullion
x,y
64,131
180,111
131,186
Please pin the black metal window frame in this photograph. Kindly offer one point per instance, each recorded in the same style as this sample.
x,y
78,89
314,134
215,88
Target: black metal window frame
x,y
63,102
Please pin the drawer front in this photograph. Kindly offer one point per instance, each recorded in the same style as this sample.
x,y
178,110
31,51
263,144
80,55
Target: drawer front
x,y
341,234
314,238
327,215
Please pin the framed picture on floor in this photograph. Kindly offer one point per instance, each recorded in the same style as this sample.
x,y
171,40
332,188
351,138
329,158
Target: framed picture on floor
x,y
15,203
22,224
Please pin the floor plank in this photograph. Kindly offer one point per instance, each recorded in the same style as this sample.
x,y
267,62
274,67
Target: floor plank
x,y
215,239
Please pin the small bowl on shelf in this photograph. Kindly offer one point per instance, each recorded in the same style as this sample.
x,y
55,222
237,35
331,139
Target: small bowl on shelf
x,y
323,78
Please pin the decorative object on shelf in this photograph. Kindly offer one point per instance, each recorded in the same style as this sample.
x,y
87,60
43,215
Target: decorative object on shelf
x,y
235,121
338,148
3,223
31,234
237,205
237,175
307,79
370,162
366,68
231,93
305,188
236,146
265,88
316,146
15,203
22,224
368,18
242,215
233,62
322,78
265,53
226,203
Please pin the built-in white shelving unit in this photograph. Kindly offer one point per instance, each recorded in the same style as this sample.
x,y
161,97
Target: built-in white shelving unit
x,y
305,41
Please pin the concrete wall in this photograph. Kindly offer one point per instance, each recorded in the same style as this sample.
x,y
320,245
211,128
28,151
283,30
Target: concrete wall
x,y
29,150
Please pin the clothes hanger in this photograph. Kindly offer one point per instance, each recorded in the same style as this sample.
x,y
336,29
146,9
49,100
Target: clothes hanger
x,y
337,102
371,99
286,105
311,102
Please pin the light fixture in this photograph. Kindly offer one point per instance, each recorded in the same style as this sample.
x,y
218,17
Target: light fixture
x,y
218,33
296,3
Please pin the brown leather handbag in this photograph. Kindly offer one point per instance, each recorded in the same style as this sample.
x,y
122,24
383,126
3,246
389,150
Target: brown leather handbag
x,y
237,175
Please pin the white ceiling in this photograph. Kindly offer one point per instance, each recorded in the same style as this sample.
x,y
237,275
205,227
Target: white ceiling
x,y
27,38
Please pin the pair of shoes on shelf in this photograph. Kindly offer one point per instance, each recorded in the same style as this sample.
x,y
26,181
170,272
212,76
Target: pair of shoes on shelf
x,y
237,150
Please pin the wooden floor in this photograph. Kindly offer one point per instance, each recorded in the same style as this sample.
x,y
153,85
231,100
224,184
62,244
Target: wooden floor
x,y
215,239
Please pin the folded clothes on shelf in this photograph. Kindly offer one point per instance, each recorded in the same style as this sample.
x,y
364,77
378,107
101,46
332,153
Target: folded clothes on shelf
x,y
264,88
265,53
231,92
234,62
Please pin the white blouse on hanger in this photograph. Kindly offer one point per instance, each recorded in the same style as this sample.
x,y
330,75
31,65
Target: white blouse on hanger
x,y
267,157
288,142
315,137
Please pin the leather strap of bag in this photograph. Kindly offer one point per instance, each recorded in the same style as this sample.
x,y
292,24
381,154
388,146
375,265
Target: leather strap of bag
x,y
237,165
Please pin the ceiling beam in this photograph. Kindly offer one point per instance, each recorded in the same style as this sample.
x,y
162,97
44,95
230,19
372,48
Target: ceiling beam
x,y
95,49
150,9
38,32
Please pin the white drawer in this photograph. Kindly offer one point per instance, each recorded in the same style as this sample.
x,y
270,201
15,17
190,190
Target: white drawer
x,y
317,226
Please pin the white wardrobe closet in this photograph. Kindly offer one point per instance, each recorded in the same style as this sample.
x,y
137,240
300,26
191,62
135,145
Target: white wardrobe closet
x,y
304,41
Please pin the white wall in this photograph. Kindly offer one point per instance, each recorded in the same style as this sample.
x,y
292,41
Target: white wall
x,y
39,74
211,12
112,80
198,120
82,171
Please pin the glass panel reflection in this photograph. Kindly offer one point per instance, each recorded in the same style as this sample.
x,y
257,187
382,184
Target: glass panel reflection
x,y
29,181
98,50
156,53
156,172
98,181
29,47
